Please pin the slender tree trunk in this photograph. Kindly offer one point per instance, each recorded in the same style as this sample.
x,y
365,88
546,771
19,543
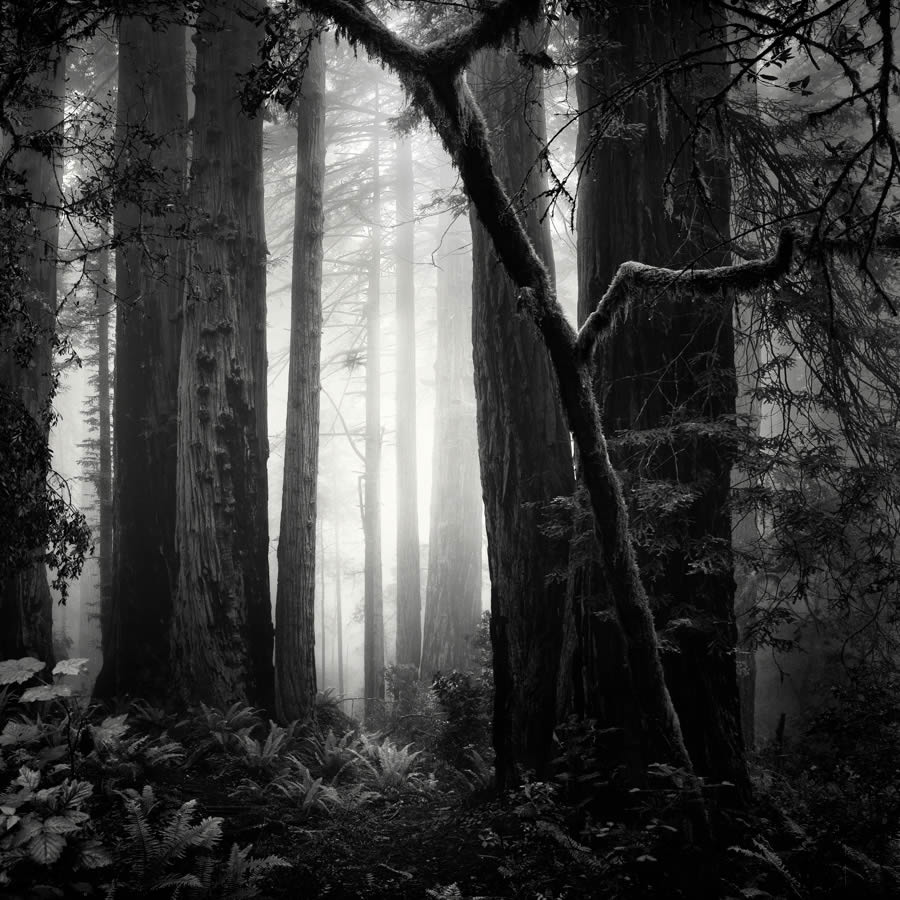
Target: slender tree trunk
x,y
105,309
26,605
526,458
221,625
668,368
151,130
295,661
409,591
338,612
322,600
453,594
373,637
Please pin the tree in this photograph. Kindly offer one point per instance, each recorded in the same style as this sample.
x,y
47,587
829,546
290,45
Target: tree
x,y
672,367
409,594
526,460
295,667
31,168
221,625
151,135
453,590
373,602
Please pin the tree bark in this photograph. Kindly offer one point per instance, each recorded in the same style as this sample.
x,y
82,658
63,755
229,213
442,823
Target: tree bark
x,y
453,591
26,605
526,458
222,626
338,612
295,666
373,636
409,590
105,309
667,368
150,262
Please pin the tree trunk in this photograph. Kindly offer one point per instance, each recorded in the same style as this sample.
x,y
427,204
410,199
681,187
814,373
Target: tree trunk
x,y
338,612
526,458
151,130
295,664
105,309
667,369
221,625
409,591
26,605
453,592
373,637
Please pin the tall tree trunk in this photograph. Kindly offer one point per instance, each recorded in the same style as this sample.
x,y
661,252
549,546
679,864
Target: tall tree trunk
x,y
409,591
669,368
151,130
453,592
338,612
105,308
26,605
373,635
221,625
295,660
526,459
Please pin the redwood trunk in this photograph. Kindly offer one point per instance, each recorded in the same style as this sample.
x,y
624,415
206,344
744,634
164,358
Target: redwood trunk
x,y
668,368
295,663
409,590
26,605
373,636
453,593
152,122
222,628
526,458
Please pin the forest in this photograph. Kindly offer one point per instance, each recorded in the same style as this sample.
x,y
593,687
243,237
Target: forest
x,y
449,449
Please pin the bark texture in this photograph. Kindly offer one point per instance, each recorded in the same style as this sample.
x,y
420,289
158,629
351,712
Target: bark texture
x,y
409,589
669,367
295,664
26,605
150,262
453,592
373,602
526,459
222,627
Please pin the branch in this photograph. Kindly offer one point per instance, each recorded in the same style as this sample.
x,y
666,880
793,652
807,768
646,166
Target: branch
x,y
454,52
449,55
617,298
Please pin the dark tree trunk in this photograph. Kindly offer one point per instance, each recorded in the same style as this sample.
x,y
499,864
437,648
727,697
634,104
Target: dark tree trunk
x,y
295,664
105,308
453,592
669,368
526,458
152,123
221,625
373,636
409,591
26,605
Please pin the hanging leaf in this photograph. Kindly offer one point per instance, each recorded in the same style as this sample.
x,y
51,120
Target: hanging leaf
x,y
46,847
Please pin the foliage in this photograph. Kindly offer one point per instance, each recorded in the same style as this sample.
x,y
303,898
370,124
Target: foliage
x,y
465,701
305,794
840,779
333,756
388,768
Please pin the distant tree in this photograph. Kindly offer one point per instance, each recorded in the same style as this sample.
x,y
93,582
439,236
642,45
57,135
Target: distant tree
x,y
295,667
409,591
526,459
453,591
373,644
221,624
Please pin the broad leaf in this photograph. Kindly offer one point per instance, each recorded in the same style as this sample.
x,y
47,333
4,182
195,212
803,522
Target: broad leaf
x,y
70,667
46,847
17,671
46,692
